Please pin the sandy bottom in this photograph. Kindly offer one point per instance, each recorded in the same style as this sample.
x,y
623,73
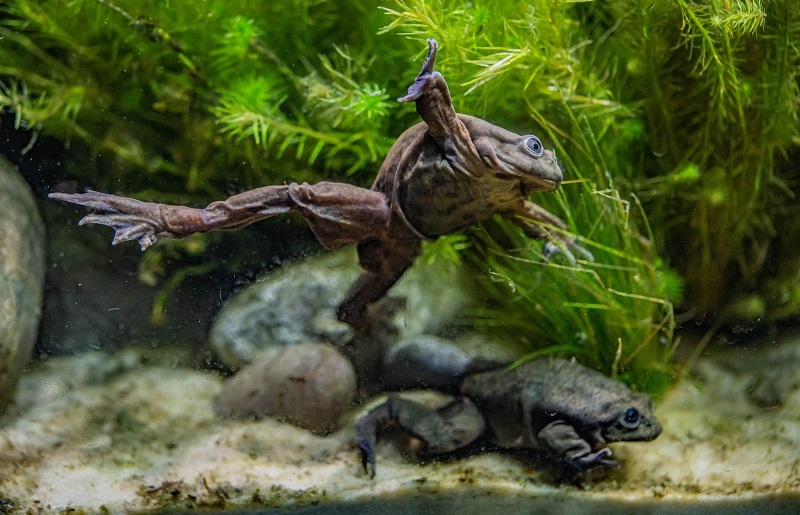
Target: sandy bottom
x,y
136,431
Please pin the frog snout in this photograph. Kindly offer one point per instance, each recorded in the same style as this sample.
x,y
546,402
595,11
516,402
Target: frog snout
x,y
555,174
656,428
558,174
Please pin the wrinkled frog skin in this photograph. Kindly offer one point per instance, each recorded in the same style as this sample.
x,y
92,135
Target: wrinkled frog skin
x,y
559,407
441,175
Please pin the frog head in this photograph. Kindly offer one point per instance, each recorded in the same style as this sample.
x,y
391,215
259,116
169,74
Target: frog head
x,y
630,419
510,155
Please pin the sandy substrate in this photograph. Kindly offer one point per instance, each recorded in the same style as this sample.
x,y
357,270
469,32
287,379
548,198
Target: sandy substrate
x,y
136,431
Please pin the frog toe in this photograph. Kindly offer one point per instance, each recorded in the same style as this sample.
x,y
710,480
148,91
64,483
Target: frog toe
x,y
568,248
588,256
126,227
367,456
430,60
551,248
594,459
426,75
418,88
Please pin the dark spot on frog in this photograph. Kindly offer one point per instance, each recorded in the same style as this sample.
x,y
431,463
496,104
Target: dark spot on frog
x,y
451,209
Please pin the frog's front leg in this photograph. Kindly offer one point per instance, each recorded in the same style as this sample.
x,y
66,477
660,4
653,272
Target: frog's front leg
x,y
441,429
435,106
562,439
526,211
337,213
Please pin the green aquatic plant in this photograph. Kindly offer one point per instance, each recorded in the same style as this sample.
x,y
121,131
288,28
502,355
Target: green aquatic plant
x,y
186,103
711,87
721,108
689,106
535,70
681,113
188,97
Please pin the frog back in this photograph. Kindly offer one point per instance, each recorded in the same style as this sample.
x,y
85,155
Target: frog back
x,y
519,402
436,193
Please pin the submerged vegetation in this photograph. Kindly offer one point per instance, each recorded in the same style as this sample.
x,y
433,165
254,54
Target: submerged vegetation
x,y
676,123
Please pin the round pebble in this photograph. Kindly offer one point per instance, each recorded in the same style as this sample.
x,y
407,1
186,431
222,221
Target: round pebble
x,y
309,385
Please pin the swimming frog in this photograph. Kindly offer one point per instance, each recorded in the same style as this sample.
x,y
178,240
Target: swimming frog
x,y
441,175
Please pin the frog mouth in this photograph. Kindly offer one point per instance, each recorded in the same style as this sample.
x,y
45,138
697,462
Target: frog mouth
x,y
549,182
529,187
531,182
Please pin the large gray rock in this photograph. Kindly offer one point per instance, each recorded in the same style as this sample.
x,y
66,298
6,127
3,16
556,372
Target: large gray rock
x,y
297,304
21,276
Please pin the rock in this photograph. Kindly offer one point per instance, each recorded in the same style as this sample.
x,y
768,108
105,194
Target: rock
x,y
774,370
297,303
426,361
308,384
293,304
21,276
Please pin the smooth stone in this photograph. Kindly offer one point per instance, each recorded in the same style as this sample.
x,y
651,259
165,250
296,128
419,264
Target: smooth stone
x,y
293,304
424,362
297,303
22,253
309,385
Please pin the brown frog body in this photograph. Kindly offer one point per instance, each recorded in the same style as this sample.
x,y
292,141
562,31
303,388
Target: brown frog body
x,y
441,175
556,406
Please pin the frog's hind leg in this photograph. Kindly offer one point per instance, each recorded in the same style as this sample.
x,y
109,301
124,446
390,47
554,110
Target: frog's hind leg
x,y
384,261
337,213
441,429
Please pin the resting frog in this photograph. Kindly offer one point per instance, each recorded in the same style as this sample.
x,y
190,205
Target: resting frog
x,y
557,406
441,175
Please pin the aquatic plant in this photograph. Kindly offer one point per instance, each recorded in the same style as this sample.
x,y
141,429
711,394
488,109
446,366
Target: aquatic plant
x,y
711,90
615,313
683,113
688,107
186,103
195,97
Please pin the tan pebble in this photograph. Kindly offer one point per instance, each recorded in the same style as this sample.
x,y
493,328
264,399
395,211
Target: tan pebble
x,y
309,385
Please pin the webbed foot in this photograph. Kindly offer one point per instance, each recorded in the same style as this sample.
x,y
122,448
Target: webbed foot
x,y
131,219
367,449
425,75
566,245
442,428
593,459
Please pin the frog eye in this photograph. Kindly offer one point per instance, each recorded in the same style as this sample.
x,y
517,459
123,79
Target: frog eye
x,y
535,146
630,419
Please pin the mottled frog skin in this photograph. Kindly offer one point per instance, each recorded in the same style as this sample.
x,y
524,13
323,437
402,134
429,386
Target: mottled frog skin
x,y
559,407
441,175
